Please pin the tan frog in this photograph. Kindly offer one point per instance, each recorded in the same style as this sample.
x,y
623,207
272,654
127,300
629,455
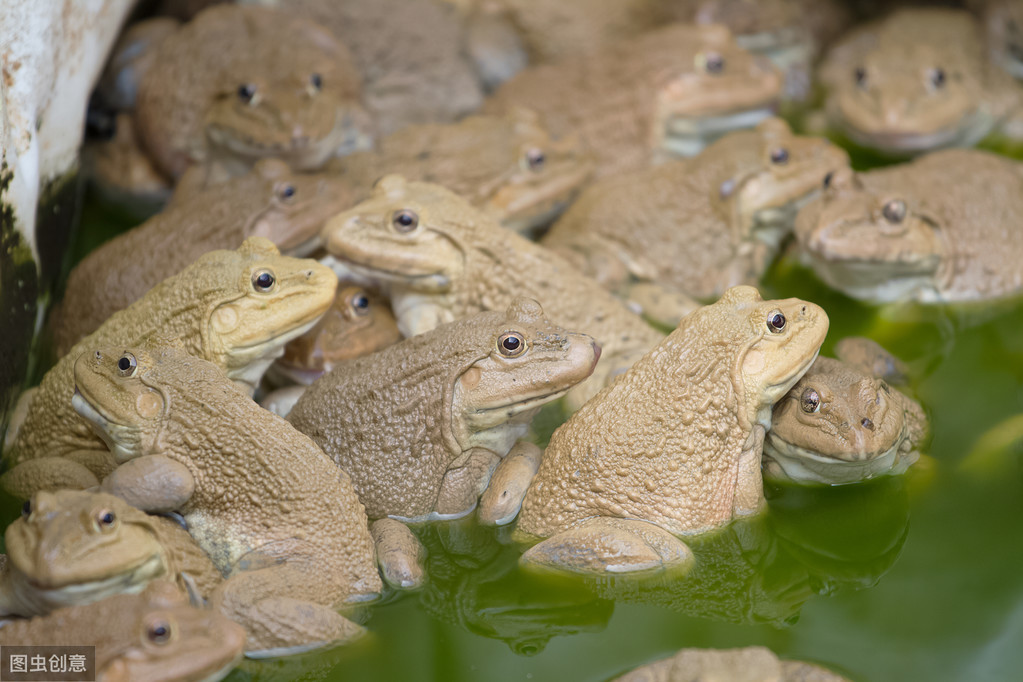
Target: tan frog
x,y
942,228
440,260
278,519
235,308
508,166
272,201
694,227
669,91
155,636
1003,23
422,425
673,446
752,664
842,423
74,547
918,80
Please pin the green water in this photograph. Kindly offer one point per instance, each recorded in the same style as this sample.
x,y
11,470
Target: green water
x,y
904,578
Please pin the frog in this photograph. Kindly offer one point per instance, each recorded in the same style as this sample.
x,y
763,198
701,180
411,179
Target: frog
x,y
439,259
155,636
748,664
672,447
235,308
688,229
938,229
271,201
843,423
421,426
1003,26
668,92
278,519
508,166
916,81
72,547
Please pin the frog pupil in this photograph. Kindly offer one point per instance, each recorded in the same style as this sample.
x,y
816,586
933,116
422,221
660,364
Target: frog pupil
x,y
861,76
265,280
107,518
536,159
715,63
780,156
938,78
246,92
288,192
777,321
317,81
828,178
159,633
511,344
124,364
810,400
360,302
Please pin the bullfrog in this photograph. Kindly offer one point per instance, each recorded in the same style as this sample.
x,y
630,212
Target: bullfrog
x,y
1003,24
508,166
751,664
695,227
673,446
155,636
235,308
439,259
669,91
271,201
75,547
277,518
918,80
843,423
940,229
420,426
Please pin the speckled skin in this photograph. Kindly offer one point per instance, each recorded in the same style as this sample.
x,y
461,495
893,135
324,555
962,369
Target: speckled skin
x,y
204,645
957,242
212,310
676,440
624,101
256,204
698,225
458,262
486,160
64,553
189,110
420,426
752,664
275,516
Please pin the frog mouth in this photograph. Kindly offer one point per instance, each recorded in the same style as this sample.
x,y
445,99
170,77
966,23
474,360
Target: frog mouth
x,y
378,273
130,581
880,281
967,132
806,466
104,427
688,135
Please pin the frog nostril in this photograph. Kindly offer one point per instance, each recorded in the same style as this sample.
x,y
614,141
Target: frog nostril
x,y
867,424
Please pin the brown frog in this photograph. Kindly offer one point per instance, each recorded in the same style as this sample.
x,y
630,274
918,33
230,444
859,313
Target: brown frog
x,y
235,308
669,91
673,446
694,227
940,229
155,636
271,201
74,547
508,166
421,426
752,664
439,259
278,519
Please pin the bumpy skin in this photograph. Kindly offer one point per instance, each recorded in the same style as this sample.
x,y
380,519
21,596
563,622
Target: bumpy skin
x,y
508,166
699,225
190,107
458,262
676,440
917,80
1003,23
213,310
271,201
66,550
752,664
957,239
125,629
277,518
629,100
420,426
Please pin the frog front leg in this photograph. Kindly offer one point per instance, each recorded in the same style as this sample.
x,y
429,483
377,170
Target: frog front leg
x,y
749,483
502,499
418,314
465,481
603,544
400,555
152,483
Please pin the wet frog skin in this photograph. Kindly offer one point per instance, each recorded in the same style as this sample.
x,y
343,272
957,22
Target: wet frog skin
x,y
752,664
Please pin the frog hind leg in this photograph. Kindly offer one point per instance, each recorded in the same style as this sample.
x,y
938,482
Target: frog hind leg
x,y
602,545
502,499
400,555
46,473
464,482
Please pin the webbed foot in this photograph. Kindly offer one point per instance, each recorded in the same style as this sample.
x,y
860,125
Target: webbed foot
x,y
502,499
400,555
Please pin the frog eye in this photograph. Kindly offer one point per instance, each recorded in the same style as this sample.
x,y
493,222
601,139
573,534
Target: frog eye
x,y
828,178
776,322
867,424
535,159
26,509
860,74
285,192
104,520
810,401
126,365
894,211
316,80
405,220
359,303
780,156
247,93
713,63
263,280
159,631
511,345
936,77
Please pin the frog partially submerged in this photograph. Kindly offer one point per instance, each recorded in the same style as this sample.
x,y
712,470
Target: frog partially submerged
x,y
672,90
695,227
842,423
940,229
235,308
74,547
752,664
673,446
439,259
279,520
